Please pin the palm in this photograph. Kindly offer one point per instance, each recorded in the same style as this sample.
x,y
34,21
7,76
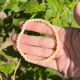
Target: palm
x,y
67,59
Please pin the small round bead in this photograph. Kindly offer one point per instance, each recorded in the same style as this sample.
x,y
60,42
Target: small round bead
x,y
18,38
35,20
17,43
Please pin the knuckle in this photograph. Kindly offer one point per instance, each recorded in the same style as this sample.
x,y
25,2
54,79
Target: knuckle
x,y
44,29
42,52
28,49
40,42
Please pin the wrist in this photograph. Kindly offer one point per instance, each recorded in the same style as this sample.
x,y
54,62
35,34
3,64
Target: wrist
x,y
76,48
74,69
77,78
76,40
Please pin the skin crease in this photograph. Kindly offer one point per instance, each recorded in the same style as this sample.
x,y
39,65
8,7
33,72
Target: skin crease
x,y
38,47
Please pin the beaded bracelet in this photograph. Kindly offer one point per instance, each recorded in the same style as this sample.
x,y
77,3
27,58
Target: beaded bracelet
x,y
22,32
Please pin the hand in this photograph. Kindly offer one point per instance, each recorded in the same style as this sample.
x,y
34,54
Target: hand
x,y
38,47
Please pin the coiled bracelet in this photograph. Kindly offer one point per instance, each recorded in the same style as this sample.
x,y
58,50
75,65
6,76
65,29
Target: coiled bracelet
x,y
22,32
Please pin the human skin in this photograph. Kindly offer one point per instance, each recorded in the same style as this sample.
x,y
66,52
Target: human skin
x,y
38,47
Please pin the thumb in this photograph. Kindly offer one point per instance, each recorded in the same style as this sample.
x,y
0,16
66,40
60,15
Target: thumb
x,y
77,13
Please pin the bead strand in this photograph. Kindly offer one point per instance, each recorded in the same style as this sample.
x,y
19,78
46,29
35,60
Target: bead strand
x,y
22,31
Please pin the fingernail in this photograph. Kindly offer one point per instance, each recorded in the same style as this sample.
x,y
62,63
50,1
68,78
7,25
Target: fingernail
x,y
14,37
21,24
14,47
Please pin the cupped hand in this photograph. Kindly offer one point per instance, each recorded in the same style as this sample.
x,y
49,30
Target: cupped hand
x,y
38,47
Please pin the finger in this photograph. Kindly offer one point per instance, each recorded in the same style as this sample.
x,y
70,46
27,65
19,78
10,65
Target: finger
x,y
77,13
39,27
36,41
38,51
34,57
51,64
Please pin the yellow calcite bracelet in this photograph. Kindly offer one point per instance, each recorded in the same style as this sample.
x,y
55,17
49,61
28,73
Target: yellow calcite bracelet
x,y
22,32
